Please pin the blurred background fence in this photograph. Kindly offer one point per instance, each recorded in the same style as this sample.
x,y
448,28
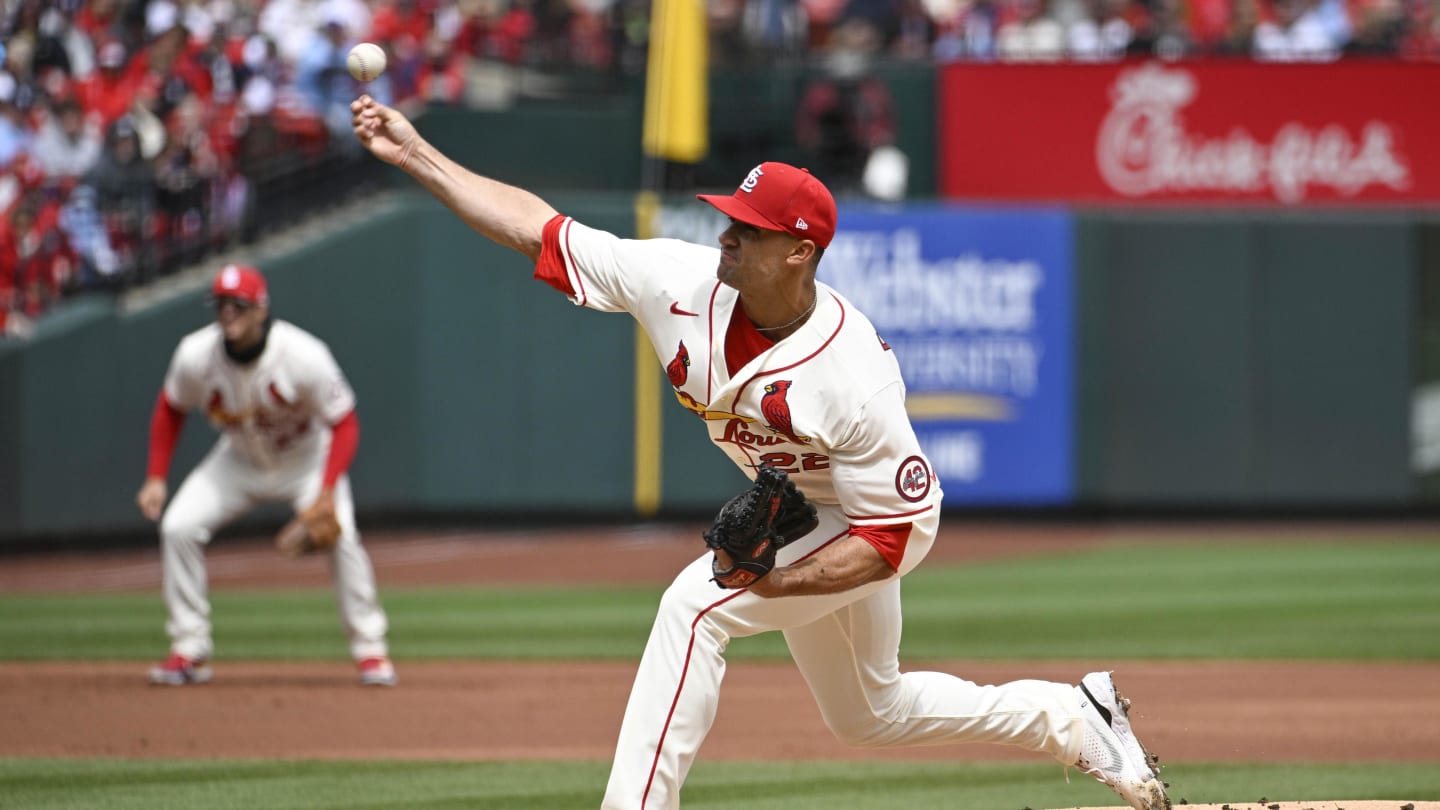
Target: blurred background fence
x,y
1203,285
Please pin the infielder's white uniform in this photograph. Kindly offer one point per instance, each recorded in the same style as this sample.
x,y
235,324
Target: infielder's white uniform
x,y
826,404
274,416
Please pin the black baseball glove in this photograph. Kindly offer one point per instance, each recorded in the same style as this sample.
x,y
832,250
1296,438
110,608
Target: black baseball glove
x,y
755,524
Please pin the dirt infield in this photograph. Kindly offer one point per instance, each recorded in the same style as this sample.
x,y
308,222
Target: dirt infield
x,y
1226,711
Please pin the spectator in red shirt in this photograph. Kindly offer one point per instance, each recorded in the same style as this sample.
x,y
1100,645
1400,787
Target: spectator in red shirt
x,y
111,89
403,20
492,31
440,78
39,258
1422,41
98,19
170,70
7,267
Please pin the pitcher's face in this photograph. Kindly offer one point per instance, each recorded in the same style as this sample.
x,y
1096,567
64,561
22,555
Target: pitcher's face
x,y
752,258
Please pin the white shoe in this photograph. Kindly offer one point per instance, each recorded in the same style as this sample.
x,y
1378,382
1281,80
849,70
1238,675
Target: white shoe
x,y
177,670
1110,751
377,671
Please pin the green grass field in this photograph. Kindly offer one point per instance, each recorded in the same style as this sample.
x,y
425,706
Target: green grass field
x,y
1326,601
222,785
1322,601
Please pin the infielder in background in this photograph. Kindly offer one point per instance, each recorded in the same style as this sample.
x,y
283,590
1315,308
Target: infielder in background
x,y
785,373
288,428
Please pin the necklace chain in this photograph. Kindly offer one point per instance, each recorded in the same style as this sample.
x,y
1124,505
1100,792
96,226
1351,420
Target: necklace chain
x,y
814,299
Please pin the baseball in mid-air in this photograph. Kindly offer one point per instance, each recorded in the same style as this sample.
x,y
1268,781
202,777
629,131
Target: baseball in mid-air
x,y
366,61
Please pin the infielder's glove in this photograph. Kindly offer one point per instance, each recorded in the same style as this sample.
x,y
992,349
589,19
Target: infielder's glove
x,y
755,524
314,529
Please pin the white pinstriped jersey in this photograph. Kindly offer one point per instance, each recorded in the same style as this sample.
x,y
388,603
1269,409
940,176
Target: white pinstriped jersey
x,y
826,404
271,410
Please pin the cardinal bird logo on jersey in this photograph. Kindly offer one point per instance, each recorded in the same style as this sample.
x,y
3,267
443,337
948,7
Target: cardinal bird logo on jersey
x,y
678,370
215,409
777,411
278,397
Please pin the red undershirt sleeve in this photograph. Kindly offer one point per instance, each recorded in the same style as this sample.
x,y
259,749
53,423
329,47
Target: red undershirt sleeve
x,y
550,267
165,424
888,540
344,438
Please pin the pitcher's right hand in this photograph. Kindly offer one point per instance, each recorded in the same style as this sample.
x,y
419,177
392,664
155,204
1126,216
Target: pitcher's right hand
x,y
386,132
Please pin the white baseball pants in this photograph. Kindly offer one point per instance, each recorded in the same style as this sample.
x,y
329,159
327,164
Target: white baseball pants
x,y
847,647
224,486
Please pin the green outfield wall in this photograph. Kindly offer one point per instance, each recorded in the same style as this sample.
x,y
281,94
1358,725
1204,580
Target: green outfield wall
x,y
477,391
1253,361
1425,419
1249,360
487,141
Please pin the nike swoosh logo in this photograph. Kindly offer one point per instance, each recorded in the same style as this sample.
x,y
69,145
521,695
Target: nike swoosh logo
x,y
676,310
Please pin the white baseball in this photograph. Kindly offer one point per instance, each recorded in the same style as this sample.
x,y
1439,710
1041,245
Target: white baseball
x,y
366,61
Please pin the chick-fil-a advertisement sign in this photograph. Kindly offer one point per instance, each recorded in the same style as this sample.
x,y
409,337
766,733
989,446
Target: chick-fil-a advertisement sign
x,y
1285,135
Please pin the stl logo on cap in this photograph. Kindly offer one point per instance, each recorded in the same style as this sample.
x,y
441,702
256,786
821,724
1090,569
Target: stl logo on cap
x,y
242,283
752,180
790,200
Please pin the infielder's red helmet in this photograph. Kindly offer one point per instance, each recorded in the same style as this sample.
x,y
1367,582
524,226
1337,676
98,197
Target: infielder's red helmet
x,y
242,283
780,197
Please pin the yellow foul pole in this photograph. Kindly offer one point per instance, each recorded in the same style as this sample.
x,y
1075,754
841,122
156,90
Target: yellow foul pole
x,y
676,130
676,102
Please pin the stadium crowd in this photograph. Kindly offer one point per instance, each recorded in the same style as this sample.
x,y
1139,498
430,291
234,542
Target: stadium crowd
x,y
139,135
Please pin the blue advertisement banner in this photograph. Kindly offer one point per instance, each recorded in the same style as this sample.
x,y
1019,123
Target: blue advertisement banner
x,y
976,304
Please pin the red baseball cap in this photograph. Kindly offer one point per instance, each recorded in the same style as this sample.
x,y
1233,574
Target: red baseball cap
x,y
780,197
242,283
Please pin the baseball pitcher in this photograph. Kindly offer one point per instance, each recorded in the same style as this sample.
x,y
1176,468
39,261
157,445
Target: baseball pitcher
x,y
795,386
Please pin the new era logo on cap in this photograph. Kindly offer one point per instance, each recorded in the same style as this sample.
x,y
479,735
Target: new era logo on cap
x,y
780,197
